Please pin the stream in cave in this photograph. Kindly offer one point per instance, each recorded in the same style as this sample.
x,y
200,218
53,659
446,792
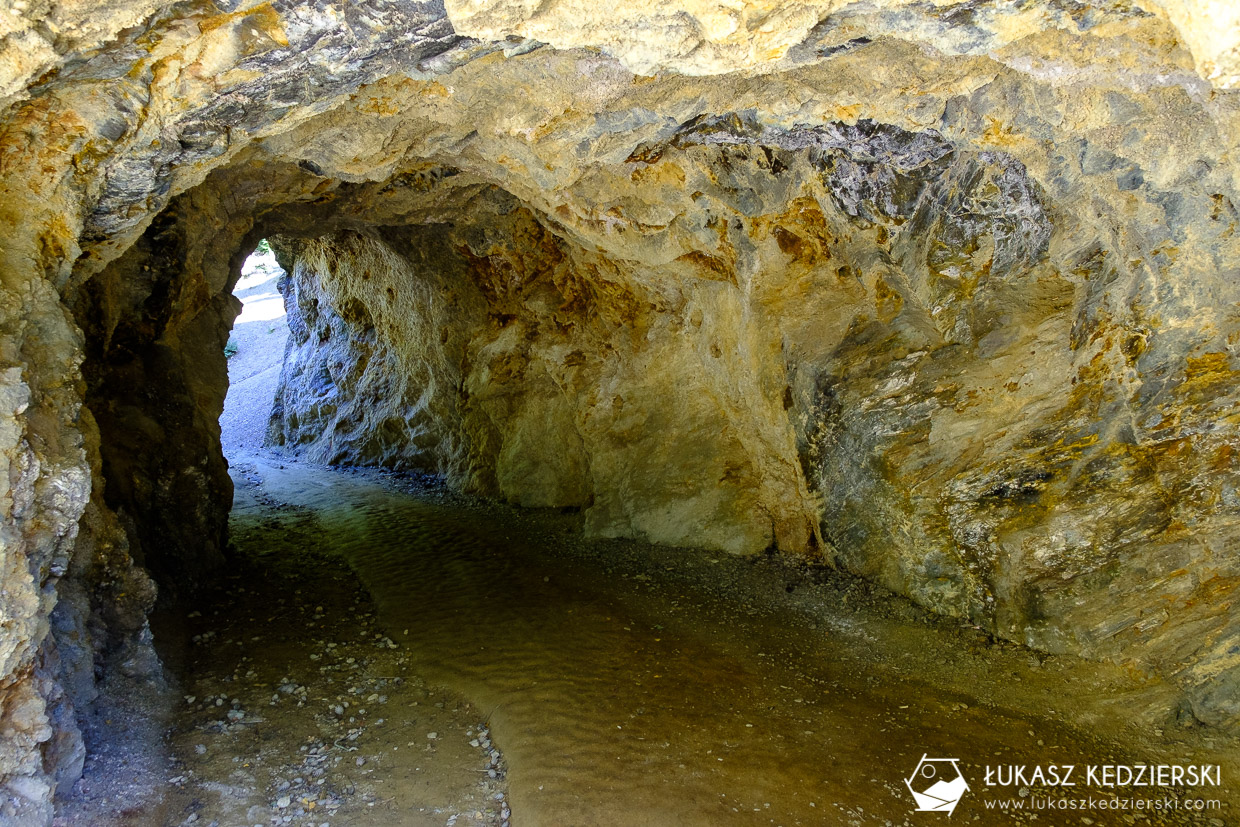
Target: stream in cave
x,y
375,626
630,684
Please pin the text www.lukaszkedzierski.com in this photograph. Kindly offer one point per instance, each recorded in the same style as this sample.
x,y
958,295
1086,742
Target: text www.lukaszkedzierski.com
x,y
1091,803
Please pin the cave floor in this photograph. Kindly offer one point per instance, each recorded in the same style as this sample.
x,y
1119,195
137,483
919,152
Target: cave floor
x,y
623,684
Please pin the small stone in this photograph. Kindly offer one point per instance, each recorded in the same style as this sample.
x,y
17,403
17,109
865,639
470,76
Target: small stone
x,y
283,801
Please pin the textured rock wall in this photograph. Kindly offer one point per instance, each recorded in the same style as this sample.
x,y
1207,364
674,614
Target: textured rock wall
x,y
700,37
513,363
951,285
958,319
155,379
950,344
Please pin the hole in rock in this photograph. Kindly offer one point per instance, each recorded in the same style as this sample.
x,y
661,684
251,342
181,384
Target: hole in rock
x,y
255,351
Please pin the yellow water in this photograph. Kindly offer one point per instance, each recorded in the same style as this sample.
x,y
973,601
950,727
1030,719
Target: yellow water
x,y
635,685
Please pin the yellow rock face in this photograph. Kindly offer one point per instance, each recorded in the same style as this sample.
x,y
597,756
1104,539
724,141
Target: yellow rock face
x,y
1211,30
707,37
700,38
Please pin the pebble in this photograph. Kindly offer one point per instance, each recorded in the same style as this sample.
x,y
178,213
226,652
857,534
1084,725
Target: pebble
x,y
292,808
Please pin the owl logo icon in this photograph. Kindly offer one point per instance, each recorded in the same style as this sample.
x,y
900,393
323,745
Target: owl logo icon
x,y
937,784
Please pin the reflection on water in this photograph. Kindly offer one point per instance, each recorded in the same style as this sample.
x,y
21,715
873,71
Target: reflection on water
x,y
640,686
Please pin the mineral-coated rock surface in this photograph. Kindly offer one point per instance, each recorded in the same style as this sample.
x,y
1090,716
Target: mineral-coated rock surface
x,y
944,293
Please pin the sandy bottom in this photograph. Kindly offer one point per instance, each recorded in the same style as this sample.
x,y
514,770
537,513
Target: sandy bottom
x,y
296,708
624,684
285,703
383,652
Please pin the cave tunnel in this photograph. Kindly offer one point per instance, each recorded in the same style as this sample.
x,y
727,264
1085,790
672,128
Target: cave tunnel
x,y
692,415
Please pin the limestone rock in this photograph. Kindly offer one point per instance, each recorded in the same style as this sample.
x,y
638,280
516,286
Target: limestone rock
x,y
1211,29
714,37
36,36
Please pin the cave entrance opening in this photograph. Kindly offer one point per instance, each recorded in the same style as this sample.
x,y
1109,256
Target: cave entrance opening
x,y
255,352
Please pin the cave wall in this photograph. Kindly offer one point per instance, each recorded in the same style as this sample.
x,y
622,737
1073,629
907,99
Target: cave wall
x,y
950,286
956,379
516,365
155,377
